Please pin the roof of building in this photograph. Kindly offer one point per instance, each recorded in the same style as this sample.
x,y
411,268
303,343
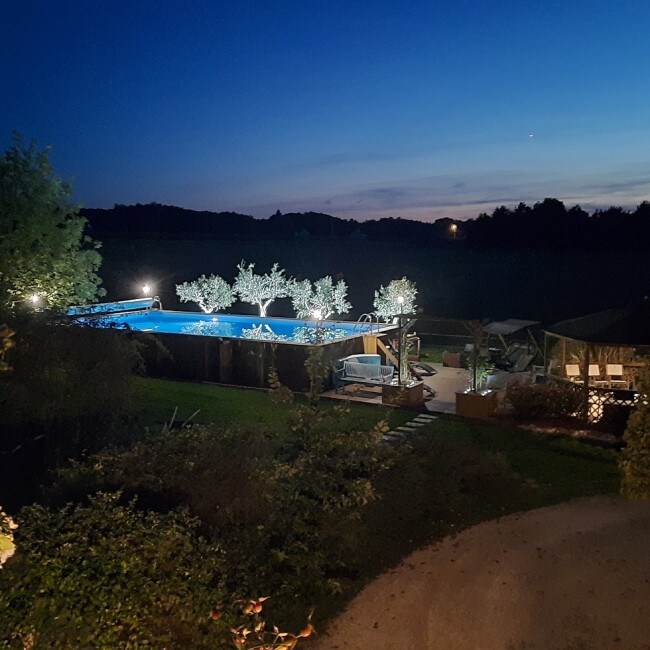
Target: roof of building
x,y
626,327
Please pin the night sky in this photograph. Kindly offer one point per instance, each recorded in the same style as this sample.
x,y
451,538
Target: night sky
x,y
358,109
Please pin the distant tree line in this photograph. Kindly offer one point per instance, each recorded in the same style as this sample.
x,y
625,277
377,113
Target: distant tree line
x,y
547,224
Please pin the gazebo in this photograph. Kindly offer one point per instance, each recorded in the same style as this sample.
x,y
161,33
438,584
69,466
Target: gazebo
x,y
628,327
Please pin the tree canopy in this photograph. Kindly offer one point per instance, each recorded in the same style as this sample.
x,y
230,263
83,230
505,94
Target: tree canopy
x,y
43,251
211,294
321,300
261,290
397,298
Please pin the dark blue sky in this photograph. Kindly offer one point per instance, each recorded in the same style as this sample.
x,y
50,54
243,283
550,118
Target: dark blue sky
x,y
359,109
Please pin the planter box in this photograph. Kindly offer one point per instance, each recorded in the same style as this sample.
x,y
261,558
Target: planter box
x,y
411,396
476,405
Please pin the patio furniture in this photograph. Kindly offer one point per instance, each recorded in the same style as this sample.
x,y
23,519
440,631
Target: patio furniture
x,y
595,376
452,359
572,371
365,369
522,363
615,376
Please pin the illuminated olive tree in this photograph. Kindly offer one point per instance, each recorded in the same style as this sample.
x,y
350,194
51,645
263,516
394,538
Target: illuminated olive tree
x,y
321,300
211,294
43,250
261,290
397,298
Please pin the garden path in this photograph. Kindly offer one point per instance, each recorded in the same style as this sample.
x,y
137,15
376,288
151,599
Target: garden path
x,y
576,575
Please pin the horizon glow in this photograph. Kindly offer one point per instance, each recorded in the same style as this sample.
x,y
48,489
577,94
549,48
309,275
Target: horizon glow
x,y
351,108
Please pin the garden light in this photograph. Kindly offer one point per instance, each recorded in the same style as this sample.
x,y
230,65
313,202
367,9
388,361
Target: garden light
x,y
34,298
317,314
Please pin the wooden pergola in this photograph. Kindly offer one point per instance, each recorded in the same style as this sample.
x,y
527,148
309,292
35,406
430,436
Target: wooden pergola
x,y
628,327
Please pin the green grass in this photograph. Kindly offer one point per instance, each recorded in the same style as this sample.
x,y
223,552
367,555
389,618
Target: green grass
x,y
457,473
461,473
156,400
433,353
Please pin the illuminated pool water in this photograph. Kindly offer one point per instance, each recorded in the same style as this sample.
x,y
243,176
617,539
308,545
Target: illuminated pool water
x,y
288,330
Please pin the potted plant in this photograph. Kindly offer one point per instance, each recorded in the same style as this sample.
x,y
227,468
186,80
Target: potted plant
x,y
474,402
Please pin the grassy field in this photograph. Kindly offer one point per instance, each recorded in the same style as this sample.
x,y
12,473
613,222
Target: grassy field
x,y
156,400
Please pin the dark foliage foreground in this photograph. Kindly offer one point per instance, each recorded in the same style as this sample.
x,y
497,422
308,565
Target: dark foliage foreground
x,y
219,516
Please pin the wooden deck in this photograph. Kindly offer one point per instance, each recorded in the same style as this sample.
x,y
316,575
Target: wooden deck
x,y
446,383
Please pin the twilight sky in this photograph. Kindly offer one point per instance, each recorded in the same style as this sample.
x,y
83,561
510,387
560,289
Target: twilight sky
x,y
361,109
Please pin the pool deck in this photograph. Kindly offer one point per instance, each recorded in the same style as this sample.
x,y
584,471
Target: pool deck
x,y
446,383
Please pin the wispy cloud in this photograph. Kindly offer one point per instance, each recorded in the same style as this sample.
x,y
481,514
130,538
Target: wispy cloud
x,y
466,196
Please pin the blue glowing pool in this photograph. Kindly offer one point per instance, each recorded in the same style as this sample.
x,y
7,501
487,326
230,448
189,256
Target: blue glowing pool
x,y
226,348
140,316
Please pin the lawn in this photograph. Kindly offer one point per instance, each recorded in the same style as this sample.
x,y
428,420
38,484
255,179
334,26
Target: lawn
x,y
156,400
456,473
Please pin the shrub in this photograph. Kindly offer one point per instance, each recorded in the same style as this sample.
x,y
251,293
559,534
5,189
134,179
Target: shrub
x,y
535,401
108,576
206,469
635,458
275,505
69,382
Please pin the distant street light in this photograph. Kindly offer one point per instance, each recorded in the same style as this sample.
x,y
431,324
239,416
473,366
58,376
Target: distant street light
x,y
146,289
453,229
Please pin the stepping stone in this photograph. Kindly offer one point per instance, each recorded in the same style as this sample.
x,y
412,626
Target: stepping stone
x,y
392,436
425,418
406,429
416,423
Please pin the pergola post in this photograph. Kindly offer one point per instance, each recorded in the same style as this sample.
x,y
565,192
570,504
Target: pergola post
x,y
585,380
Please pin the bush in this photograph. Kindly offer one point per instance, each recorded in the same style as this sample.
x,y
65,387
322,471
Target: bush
x,y
70,383
206,469
536,401
635,458
108,576
276,505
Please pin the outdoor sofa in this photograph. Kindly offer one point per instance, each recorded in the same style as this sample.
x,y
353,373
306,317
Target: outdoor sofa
x,y
363,369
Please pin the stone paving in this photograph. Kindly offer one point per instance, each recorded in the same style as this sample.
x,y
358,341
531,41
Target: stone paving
x,y
412,426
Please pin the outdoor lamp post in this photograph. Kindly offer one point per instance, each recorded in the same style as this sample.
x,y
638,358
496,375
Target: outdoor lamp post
x,y
146,290
400,302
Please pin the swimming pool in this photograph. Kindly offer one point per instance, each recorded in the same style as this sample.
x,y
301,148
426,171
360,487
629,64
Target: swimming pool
x,y
229,349
289,330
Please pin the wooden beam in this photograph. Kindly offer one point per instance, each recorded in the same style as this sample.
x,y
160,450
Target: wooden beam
x,y
369,344
389,355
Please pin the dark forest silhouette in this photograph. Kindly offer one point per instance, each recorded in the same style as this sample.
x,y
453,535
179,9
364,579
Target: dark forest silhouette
x,y
547,224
